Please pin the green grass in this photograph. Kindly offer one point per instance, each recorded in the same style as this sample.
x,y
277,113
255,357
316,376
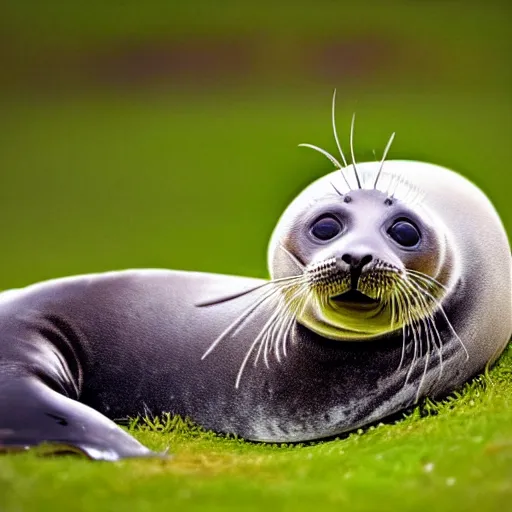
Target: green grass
x,y
453,455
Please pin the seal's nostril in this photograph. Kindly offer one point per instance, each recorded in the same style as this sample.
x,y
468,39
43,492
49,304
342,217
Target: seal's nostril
x,y
366,259
347,259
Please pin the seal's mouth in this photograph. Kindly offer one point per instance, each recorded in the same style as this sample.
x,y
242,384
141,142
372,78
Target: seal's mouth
x,y
353,297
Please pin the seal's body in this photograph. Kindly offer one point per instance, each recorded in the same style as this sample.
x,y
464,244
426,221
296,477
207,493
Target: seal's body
x,y
377,299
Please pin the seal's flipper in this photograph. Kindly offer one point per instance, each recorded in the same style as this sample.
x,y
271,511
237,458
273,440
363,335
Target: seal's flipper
x,y
32,414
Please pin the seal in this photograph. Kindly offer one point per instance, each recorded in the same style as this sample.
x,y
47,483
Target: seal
x,y
389,281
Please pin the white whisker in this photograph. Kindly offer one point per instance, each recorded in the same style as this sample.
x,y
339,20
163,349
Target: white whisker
x,y
401,307
266,336
324,152
333,115
263,336
354,166
426,279
388,146
288,313
240,320
411,322
441,310
428,322
244,362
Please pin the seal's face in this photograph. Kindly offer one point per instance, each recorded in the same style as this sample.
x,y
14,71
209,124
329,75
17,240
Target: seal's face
x,y
371,264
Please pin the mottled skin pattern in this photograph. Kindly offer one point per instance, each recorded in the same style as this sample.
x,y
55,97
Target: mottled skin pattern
x,y
79,350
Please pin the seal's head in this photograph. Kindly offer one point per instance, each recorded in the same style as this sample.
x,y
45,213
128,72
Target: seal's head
x,y
371,261
372,258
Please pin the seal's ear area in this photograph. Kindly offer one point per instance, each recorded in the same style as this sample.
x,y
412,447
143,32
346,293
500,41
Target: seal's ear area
x,y
32,415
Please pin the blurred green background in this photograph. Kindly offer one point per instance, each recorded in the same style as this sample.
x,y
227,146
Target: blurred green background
x,y
164,134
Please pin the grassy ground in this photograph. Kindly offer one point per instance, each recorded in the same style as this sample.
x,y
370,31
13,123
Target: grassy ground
x,y
454,455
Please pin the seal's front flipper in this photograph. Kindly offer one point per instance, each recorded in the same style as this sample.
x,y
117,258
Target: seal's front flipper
x,y
32,414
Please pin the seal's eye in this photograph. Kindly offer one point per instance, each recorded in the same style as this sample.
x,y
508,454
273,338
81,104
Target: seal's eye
x,y
405,233
326,228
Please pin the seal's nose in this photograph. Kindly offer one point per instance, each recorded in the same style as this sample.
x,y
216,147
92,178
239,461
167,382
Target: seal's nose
x,y
356,261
